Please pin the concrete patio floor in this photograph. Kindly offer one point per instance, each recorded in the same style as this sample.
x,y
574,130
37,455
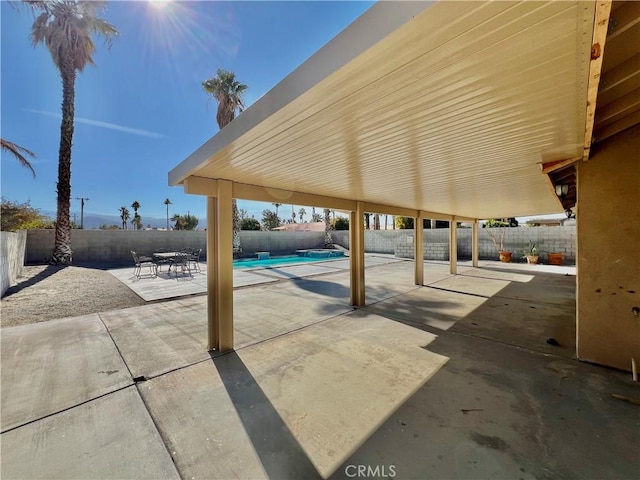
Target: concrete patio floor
x,y
450,380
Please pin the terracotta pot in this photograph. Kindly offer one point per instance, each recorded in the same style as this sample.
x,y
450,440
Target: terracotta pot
x,y
555,258
505,257
532,259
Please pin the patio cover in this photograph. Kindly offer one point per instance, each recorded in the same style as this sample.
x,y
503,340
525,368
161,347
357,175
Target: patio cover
x,y
446,108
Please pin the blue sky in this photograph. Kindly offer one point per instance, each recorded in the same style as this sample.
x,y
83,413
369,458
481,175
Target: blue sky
x,y
142,110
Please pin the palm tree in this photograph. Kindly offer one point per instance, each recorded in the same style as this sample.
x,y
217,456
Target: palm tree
x,y
136,218
18,152
228,92
167,202
277,205
302,212
178,219
293,215
124,216
65,27
328,241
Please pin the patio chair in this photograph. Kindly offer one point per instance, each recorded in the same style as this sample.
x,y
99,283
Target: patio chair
x,y
181,260
140,262
161,261
194,257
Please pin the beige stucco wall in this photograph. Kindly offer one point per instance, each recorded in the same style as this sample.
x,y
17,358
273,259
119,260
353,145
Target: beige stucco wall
x,y
609,252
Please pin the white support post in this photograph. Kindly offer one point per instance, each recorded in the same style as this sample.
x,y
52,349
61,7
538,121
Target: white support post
x,y
474,244
418,250
356,256
220,268
453,246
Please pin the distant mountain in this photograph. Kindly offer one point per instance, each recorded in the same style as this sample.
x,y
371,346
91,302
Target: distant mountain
x,y
92,221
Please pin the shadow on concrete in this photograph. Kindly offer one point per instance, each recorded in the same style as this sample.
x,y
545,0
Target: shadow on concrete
x,y
323,287
524,314
280,453
495,411
47,272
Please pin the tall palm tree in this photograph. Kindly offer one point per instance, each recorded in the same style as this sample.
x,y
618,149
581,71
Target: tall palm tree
x,y
167,202
328,241
137,220
124,216
18,152
277,205
302,212
228,92
66,28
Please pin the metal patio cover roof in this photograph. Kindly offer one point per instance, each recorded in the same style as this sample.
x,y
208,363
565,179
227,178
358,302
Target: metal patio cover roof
x,y
445,107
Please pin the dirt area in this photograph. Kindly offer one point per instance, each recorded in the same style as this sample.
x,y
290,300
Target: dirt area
x,y
45,292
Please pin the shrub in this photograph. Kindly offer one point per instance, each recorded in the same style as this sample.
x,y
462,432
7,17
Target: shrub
x,y
340,223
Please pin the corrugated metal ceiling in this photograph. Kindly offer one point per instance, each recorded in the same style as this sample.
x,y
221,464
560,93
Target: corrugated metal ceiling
x,y
453,112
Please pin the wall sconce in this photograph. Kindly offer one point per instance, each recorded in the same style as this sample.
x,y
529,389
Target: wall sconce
x,y
562,190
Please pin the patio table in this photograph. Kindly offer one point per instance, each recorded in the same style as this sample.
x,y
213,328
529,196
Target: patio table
x,y
170,256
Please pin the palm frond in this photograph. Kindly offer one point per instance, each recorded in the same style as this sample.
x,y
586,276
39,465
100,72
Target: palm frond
x,y
18,151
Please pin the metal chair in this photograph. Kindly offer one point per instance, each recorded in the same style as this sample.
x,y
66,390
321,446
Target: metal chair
x,y
194,257
181,260
161,261
141,261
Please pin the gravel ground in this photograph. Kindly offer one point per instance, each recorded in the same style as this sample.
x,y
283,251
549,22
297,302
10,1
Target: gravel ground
x,y
45,292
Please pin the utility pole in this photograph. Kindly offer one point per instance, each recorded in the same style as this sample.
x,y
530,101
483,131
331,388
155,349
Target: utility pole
x,y
74,217
82,200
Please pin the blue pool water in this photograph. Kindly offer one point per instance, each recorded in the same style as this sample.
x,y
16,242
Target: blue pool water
x,y
275,261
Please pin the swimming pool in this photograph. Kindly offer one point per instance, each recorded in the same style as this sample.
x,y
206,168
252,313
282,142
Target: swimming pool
x,y
275,261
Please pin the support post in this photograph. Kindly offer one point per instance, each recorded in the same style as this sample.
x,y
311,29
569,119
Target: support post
x,y
453,246
356,256
220,269
418,250
474,244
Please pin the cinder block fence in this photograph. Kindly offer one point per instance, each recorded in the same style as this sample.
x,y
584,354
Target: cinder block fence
x,y
114,246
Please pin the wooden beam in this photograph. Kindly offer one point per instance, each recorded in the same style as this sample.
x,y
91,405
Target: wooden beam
x,y
600,27
435,215
618,109
389,210
623,18
624,72
549,167
617,127
200,186
276,195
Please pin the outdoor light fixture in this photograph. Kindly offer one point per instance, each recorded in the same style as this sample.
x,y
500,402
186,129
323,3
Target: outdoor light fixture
x,y
562,190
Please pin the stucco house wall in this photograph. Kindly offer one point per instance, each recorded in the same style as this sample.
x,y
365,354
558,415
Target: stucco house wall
x,y
608,331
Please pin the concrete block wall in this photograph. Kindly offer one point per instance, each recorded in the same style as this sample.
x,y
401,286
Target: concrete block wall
x,y
114,246
436,242
279,243
12,253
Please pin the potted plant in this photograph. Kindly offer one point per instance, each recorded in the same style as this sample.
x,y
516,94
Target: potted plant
x,y
555,258
531,253
497,233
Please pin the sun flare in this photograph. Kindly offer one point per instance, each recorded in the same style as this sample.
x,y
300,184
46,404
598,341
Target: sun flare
x,y
159,4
